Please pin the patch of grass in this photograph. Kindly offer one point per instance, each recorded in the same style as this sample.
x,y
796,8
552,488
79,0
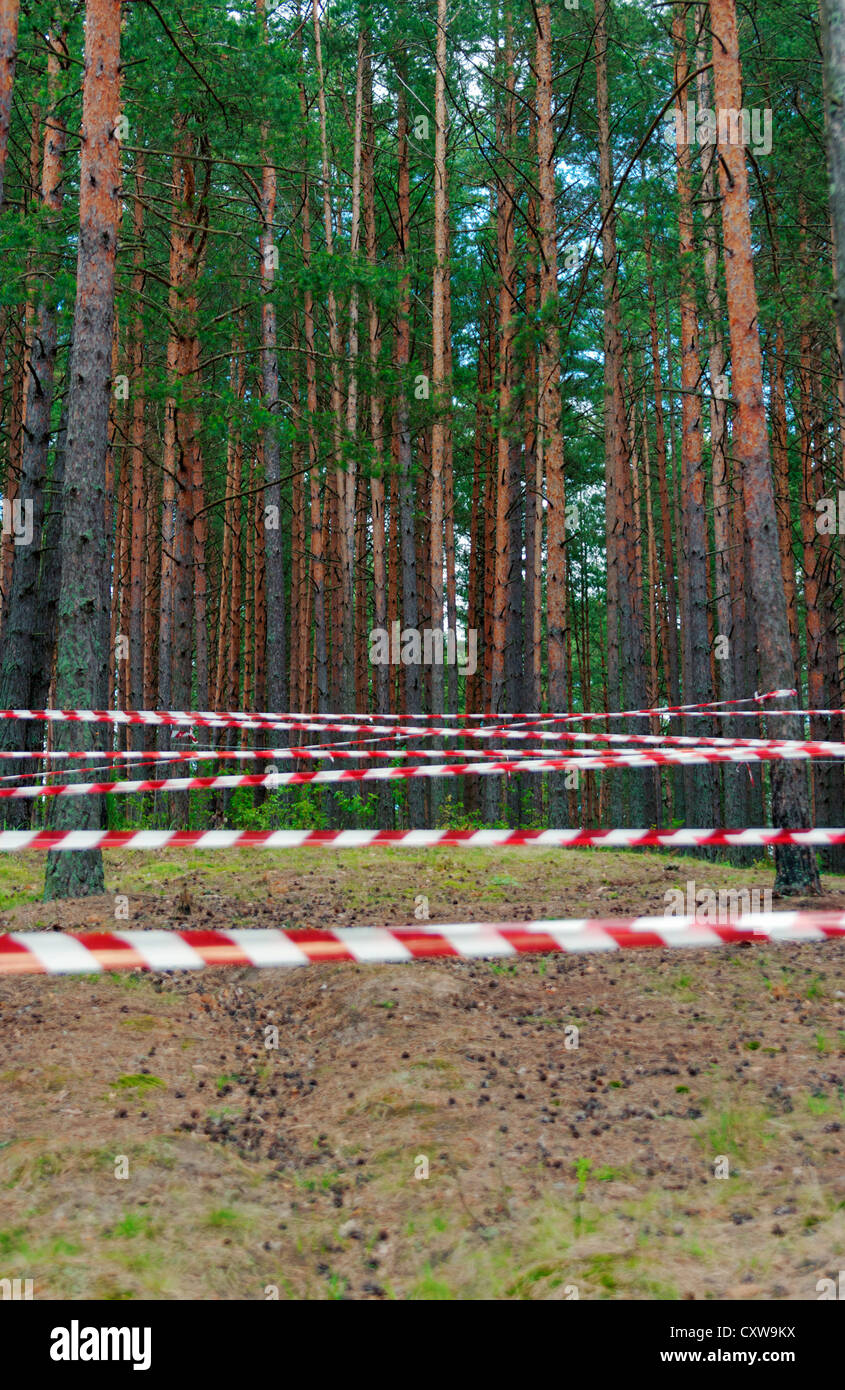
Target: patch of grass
x,y
126,979
47,1166
431,1290
224,1217
387,1107
107,1292
522,1286
664,1292
134,1223
140,1261
61,1247
140,1082
582,1172
53,1079
818,1105
599,1271
11,1242
736,1132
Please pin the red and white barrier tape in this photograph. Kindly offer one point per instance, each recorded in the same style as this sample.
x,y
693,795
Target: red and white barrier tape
x,y
14,841
585,760
247,720
312,754
71,953
716,706
202,755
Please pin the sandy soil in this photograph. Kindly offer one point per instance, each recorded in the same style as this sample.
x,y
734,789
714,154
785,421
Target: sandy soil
x,y
549,1128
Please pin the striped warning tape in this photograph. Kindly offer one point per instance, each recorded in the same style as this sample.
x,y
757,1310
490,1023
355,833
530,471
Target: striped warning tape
x,y
582,759
246,720
358,748
14,841
716,706
201,755
69,953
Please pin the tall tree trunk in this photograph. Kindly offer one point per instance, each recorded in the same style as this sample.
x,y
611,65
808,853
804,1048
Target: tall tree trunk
x,y
783,501
621,556
299,615
833,41
796,866
533,505
441,387
276,655
412,685
532,636
700,782
317,562
9,13
21,636
343,658
80,660
673,690
50,575
18,353
549,410
138,547
717,363
475,598
381,674
505,219
188,240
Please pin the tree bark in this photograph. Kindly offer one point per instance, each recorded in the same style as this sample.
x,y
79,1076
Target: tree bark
x,y
412,685
276,654
797,871
441,386
9,14
22,638
343,658
833,43
700,782
549,413
621,558
80,659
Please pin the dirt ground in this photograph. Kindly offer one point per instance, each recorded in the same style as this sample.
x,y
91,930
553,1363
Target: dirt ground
x,y
554,1127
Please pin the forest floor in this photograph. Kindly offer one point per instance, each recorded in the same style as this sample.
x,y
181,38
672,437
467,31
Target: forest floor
x,y
551,1169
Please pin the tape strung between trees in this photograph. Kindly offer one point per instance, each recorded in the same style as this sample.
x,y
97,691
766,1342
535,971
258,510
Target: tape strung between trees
x,y
15,841
71,953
